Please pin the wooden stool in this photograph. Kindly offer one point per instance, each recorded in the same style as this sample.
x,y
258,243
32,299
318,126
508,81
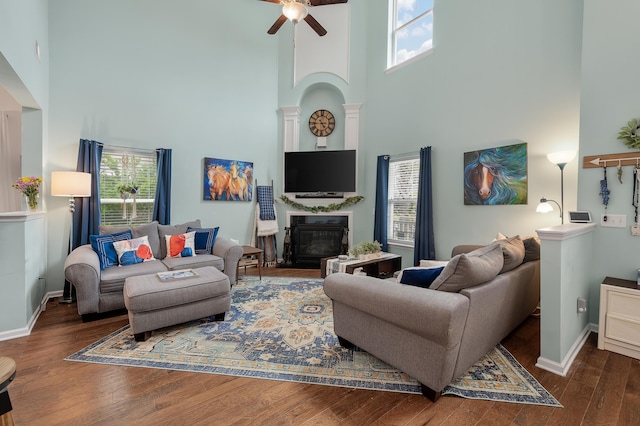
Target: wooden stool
x,y
7,374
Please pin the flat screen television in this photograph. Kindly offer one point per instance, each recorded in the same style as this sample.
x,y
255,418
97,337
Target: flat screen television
x,y
320,171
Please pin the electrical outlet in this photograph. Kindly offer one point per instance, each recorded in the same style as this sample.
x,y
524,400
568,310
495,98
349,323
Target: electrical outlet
x,y
613,220
582,305
635,230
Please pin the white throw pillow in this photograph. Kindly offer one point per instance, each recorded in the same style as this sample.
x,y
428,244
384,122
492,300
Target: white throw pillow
x,y
181,245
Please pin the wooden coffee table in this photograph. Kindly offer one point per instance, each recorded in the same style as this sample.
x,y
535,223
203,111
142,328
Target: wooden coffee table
x,y
381,267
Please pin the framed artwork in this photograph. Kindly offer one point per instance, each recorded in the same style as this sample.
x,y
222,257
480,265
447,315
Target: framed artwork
x,y
496,176
227,180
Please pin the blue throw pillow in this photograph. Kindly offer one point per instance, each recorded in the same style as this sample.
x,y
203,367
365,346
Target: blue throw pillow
x,y
205,238
103,245
420,277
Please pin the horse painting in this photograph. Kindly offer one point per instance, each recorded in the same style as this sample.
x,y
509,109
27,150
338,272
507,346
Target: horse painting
x,y
227,180
218,179
238,187
496,176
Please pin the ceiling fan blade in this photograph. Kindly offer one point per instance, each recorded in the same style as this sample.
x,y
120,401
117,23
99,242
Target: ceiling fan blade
x,y
273,1
315,25
276,25
324,2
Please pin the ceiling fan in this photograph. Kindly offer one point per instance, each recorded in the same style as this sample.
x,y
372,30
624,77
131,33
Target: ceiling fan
x,y
296,10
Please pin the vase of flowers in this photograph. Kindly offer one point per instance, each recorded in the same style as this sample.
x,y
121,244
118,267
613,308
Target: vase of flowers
x,y
30,188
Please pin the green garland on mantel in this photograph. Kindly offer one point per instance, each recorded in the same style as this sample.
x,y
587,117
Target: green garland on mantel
x,y
325,209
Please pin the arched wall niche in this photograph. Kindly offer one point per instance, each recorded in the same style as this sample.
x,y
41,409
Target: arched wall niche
x,y
322,96
310,97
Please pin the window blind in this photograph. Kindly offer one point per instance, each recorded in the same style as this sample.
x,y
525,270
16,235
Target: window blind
x,y
403,197
119,166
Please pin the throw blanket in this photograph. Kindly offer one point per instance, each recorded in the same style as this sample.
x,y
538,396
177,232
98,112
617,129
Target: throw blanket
x,y
265,238
265,203
265,227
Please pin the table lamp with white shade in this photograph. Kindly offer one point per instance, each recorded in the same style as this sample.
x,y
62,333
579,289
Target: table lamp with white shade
x,y
70,184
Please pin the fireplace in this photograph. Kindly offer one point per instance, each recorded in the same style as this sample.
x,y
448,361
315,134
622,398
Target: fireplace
x,y
311,242
313,237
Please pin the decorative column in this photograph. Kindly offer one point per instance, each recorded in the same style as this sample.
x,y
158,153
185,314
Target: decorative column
x,y
352,131
291,130
351,125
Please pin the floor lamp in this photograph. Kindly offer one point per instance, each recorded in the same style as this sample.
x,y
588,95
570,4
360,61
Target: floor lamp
x,y
560,159
70,184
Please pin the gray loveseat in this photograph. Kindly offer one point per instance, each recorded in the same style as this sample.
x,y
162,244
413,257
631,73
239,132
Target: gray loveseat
x,y
99,291
433,335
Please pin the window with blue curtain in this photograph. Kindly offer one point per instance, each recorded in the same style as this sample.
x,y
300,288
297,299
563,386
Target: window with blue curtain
x,y
127,186
402,200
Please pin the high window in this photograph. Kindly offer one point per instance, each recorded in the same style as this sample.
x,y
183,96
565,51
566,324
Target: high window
x,y
403,200
411,29
127,186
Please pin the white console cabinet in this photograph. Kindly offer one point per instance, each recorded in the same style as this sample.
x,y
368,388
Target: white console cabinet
x,y
619,328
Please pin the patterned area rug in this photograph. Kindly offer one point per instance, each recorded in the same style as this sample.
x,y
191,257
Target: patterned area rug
x,y
282,329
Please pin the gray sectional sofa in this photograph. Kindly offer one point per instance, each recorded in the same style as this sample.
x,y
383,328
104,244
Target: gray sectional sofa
x,y
435,335
100,290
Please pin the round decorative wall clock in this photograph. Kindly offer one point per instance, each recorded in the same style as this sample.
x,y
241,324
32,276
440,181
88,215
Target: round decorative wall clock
x,y
322,123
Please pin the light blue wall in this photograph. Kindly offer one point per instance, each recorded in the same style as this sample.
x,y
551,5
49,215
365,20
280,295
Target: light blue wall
x,y
22,23
26,77
199,77
500,74
203,78
610,67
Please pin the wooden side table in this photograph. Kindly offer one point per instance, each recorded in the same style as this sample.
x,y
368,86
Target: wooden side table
x,y
251,256
7,374
381,267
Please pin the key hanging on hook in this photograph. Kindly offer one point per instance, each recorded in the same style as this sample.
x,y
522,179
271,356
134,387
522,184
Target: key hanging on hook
x,y
619,172
604,192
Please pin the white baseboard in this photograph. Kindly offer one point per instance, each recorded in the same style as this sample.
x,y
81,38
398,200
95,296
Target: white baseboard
x,y
562,368
26,330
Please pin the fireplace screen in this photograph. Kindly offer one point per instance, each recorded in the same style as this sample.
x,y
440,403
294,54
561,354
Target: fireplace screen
x,y
315,241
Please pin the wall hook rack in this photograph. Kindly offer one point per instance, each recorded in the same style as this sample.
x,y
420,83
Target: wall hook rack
x,y
622,159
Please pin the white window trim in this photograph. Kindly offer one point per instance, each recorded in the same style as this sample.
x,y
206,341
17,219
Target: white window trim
x,y
392,241
141,202
391,39
409,61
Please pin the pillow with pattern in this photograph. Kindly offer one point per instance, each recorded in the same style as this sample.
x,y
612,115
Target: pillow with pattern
x,y
205,239
181,245
136,250
103,246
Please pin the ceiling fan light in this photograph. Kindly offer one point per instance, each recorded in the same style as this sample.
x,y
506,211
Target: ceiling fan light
x,y
294,11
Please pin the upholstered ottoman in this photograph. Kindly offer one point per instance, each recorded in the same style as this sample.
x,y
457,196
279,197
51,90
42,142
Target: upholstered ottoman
x,y
153,303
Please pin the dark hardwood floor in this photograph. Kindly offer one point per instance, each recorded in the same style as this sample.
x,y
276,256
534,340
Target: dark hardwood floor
x,y
601,387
